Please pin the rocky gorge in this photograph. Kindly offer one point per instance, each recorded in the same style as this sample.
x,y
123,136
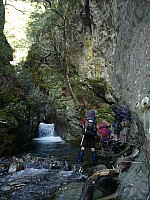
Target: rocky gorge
x,y
86,54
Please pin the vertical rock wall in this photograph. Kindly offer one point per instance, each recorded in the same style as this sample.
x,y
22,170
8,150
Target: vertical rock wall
x,y
2,16
5,49
18,119
130,72
131,81
99,45
119,50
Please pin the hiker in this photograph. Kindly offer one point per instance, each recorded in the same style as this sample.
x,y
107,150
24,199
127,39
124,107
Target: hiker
x,y
88,138
126,116
104,134
122,117
117,121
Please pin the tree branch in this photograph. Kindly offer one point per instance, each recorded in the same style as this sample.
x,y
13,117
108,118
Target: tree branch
x,y
15,8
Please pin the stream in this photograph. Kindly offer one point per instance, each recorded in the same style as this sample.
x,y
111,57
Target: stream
x,y
47,170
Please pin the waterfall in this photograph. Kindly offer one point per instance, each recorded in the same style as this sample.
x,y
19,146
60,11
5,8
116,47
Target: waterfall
x,y
47,133
46,130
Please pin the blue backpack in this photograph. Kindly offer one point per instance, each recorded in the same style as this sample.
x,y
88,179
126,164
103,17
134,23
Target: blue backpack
x,y
122,117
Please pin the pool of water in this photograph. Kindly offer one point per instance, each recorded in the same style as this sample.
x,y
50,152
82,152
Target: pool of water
x,y
55,146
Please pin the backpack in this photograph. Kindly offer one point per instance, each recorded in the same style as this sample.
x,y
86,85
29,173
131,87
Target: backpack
x,y
126,116
103,131
118,115
104,135
117,127
90,115
90,129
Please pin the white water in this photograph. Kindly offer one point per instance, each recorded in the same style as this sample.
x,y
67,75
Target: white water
x,y
47,134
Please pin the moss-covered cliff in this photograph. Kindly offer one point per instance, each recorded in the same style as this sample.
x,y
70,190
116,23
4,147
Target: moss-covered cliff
x,y
16,107
68,63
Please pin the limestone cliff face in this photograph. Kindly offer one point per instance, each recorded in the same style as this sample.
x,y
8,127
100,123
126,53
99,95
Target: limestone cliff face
x,y
131,81
118,48
130,72
125,42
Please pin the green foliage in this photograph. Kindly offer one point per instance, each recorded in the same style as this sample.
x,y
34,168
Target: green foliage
x,y
105,113
24,77
18,107
7,118
7,97
5,51
51,80
3,115
50,21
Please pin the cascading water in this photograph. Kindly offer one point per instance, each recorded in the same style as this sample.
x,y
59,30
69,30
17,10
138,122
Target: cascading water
x,y
49,144
46,130
47,133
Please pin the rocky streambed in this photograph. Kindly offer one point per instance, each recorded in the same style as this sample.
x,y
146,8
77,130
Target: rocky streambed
x,y
39,178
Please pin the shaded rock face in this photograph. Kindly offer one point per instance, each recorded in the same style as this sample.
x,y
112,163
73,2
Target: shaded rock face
x,y
6,50
16,135
119,52
118,49
130,71
130,81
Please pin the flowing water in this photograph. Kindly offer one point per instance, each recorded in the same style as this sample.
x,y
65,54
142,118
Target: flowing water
x,y
50,170
49,144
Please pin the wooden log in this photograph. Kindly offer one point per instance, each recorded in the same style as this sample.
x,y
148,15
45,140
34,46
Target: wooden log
x,y
89,185
88,188
124,162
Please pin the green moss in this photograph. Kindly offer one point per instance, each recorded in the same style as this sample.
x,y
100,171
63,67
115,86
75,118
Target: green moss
x,y
3,115
89,51
5,51
7,96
